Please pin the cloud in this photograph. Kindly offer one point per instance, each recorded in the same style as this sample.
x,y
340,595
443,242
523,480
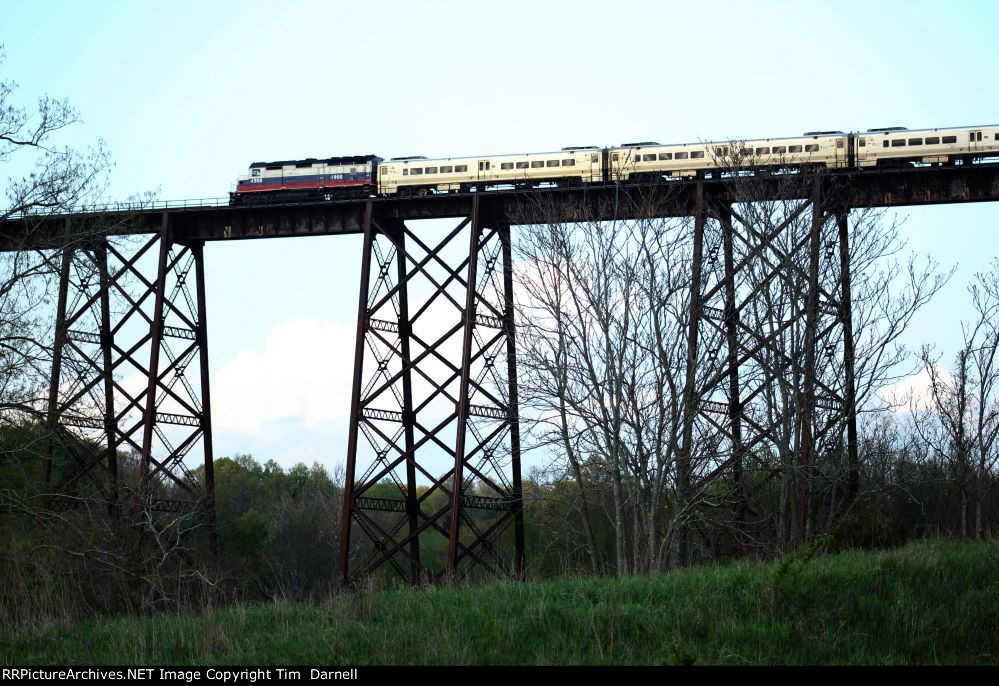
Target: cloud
x,y
913,391
303,373
291,400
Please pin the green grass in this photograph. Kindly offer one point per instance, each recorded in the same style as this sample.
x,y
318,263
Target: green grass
x,y
924,604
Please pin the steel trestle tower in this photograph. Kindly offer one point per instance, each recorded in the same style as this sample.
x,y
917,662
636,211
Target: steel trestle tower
x,y
434,387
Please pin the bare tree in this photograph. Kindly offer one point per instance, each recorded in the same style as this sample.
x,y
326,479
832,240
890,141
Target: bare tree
x,y
960,418
43,177
47,177
984,333
779,243
602,330
605,306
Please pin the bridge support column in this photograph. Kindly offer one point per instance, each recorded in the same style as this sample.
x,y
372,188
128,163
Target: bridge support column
x,y
433,472
81,402
731,318
849,378
513,400
58,344
691,395
176,410
806,397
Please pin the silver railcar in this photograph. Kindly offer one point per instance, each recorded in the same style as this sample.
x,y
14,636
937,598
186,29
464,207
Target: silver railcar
x,y
896,146
421,176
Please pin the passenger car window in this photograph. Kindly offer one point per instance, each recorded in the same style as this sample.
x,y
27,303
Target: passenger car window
x,y
568,163
811,148
523,165
446,169
898,142
696,154
552,163
506,165
763,151
416,171
933,140
461,168
779,149
648,158
794,148
537,164
665,155
680,156
949,140
431,170
915,141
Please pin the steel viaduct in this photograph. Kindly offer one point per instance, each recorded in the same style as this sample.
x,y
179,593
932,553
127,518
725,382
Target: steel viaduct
x,y
160,334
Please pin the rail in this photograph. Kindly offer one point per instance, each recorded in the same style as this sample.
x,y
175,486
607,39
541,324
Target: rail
x,y
133,207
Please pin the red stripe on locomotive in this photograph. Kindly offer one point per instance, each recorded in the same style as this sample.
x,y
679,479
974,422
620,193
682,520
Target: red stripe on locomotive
x,y
256,188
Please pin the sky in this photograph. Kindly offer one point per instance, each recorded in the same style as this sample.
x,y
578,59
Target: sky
x,y
187,94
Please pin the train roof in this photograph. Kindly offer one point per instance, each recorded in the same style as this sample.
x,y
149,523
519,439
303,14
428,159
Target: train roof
x,y
361,159
688,144
900,129
555,153
350,159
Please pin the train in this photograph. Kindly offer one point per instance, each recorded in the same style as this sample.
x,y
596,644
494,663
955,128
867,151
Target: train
x,y
363,176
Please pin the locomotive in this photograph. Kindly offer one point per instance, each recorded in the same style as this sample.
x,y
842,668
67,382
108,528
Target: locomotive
x,y
308,179
365,176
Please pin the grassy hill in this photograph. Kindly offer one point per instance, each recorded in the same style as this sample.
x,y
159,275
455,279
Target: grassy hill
x,y
927,603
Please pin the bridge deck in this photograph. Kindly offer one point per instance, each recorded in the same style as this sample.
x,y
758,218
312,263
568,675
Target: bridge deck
x,y
219,221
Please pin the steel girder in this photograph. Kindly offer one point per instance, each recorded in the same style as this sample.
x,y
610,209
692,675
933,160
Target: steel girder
x,y
433,480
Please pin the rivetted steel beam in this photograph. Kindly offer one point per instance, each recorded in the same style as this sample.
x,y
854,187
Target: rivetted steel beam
x,y
806,400
690,394
349,499
514,399
201,332
846,319
731,315
468,320
57,349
